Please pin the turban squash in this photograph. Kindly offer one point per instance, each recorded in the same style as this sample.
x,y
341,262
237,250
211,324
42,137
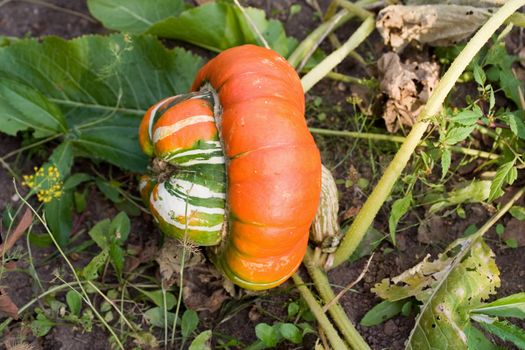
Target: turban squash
x,y
240,170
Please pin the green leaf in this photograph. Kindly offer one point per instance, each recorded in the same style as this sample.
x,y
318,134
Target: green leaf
x,y
267,334
511,306
158,298
472,192
190,321
100,85
80,201
517,212
41,326
202,341
62,158
500,229
116,255
226,25
476,340
506,174
293,309
59,217
369,243
446,159
295,9
119,228
504,330
155,317
516,123
510,85
109,189
42,240
399,209
466,117
100,233
458,284
74,302
457,134
479,74
291,332
74,180
133,16
90,271
22,108
381,312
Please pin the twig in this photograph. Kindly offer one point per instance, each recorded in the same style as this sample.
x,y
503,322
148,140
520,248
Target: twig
x,y
400,139
252,24
348,287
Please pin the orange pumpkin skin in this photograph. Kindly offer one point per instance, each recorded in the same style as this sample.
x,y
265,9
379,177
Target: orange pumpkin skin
x,y
273,165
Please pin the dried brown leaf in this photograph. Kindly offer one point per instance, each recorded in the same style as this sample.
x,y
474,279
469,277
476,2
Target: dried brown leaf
x,y
438,25
22,226
408,86
144,254
170,260
7,306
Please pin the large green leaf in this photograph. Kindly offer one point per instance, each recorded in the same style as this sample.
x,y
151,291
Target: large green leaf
x,y
444,316
510,306
503,329
59,217
215,26
23,108
93,89
133,16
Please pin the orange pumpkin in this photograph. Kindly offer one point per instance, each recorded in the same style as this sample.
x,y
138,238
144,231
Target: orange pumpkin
x,y
272,165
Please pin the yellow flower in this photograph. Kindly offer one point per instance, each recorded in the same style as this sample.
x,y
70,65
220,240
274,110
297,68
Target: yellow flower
x,y
46,182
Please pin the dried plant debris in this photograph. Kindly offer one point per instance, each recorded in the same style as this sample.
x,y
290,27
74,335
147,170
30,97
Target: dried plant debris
x,y
173,257
408,86
7,306
437,25
203,288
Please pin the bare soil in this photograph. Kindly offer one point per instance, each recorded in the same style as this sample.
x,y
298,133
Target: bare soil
x,y
23,19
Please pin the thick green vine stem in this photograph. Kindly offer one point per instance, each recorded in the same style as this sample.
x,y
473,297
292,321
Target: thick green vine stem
x,y
331,333
332,60
366,215
338,314
312,41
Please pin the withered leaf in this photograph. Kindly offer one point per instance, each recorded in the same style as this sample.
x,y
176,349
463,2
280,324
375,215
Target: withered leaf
x,y
22,226
438,25
408,86
7,306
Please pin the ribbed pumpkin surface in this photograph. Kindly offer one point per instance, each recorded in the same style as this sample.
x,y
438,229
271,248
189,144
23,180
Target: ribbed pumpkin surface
x,y
273,164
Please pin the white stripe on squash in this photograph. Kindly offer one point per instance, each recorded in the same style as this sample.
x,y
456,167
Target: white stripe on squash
x,y
165,131
194,190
